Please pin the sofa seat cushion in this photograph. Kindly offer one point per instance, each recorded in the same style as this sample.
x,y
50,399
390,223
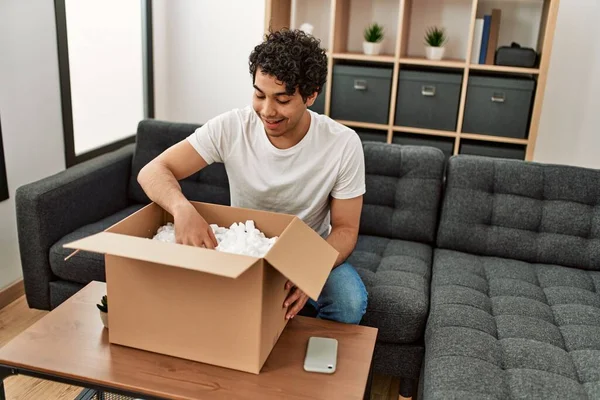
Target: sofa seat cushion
x,y
500,328
396,274
84,266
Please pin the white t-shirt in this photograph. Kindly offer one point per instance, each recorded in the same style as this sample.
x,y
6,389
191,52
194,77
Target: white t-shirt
x,y
328,161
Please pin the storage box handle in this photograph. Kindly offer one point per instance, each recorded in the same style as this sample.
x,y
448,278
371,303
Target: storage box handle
x,y
360,84
428,91
498,97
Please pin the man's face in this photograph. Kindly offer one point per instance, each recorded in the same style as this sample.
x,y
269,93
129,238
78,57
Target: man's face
x,y
279,112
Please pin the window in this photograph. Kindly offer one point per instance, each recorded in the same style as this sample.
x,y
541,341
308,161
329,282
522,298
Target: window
x,y
3,177
105,63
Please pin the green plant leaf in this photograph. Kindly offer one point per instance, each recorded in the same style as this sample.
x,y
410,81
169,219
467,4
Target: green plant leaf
x,y
103,306
373,33
435,37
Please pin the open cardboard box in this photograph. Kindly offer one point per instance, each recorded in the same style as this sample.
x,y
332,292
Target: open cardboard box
x,y
205,305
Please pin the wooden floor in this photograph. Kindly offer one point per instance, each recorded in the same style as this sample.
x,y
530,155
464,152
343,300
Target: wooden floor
x,y
17,316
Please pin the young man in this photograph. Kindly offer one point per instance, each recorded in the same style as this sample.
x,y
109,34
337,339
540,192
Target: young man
x,y
279,157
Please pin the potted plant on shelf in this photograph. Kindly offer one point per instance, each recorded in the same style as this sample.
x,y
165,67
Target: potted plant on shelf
x,y
103,307
435,39
373,36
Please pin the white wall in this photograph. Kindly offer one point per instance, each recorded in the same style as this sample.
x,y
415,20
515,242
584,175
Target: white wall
x,y
160,41
201,60
588,149
570,121
106,68
30,111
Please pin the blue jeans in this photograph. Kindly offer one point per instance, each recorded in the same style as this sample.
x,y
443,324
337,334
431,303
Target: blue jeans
x,y
343,298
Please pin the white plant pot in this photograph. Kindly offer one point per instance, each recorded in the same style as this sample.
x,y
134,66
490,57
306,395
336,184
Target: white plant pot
x,y
434,53
371,48
104,318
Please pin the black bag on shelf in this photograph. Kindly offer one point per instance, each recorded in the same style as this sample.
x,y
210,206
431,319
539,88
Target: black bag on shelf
x,y
516,56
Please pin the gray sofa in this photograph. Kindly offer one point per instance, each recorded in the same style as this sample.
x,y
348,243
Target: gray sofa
x,y
394,251
393,254
515,291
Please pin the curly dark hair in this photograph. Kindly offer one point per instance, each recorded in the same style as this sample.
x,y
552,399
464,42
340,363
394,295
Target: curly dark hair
x,y
294,58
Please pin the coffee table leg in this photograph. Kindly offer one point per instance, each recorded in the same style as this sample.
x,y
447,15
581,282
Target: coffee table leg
x,y
4,373
89,394
367,395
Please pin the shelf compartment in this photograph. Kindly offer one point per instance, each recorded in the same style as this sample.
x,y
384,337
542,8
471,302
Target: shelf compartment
x,y
315,12
372,135
353,16
497,150
517,21
445,144
427,99
453,15
498,106
361,93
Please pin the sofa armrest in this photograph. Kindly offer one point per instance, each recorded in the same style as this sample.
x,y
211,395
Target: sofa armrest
x,y
50,208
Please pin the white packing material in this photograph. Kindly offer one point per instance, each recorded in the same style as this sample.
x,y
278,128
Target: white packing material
x,y
239,238
165,233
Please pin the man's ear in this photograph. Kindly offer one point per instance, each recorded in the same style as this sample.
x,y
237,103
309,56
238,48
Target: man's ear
x,y
310,100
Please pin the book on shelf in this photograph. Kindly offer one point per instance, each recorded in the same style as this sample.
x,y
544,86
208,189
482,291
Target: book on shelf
x,y
493,36
477,41
485,38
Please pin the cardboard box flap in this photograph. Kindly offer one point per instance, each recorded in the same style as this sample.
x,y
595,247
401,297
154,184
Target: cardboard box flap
x,y
177,255
303,257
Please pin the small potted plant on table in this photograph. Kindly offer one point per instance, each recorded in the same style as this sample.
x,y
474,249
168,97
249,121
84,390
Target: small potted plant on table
x,y
435,39
103,307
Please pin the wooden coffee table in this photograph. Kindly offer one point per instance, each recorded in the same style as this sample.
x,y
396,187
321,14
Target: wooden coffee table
x,y
70,345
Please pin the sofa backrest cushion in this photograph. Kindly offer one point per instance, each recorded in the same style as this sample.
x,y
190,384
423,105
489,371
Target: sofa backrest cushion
x,y
153,137
521,210
404,185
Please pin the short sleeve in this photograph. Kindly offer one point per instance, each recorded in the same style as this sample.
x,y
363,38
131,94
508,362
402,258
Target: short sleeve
x,y
350,181
213,139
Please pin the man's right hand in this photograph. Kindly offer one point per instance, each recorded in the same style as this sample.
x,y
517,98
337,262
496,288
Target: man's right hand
x,y
192,229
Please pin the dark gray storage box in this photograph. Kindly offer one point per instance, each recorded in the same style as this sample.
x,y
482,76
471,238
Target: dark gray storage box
x,y
371,135
491,149
428,99
498,106
319,104
445,144
361,93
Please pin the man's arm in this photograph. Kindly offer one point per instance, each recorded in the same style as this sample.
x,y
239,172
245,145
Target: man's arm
x,y
345,221
159,179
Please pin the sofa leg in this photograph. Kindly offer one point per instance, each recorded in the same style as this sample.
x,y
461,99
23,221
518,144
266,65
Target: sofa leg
x,y
407,388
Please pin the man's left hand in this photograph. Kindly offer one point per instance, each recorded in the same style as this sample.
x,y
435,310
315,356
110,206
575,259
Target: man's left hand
x,y
295,300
